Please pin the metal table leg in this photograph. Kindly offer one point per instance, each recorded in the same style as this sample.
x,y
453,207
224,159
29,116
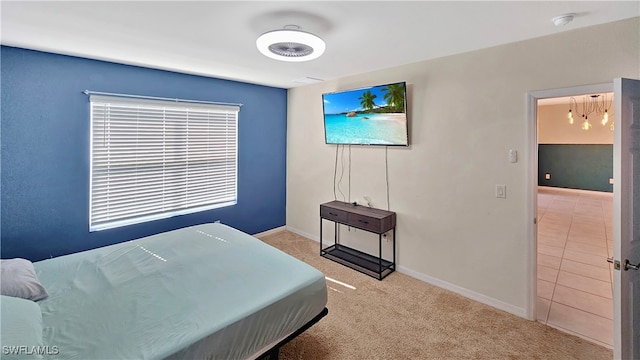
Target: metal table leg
x,y
320,236
380,257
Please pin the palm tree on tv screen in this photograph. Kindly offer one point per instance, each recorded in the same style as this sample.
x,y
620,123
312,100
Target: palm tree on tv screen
x,y
394,95
366,100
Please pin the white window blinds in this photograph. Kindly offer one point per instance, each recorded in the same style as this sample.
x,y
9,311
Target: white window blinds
x,y
153,159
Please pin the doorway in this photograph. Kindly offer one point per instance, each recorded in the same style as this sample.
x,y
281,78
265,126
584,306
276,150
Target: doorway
x,y
572,230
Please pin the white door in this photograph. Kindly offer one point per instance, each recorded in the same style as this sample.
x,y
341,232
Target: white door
x,y
626,215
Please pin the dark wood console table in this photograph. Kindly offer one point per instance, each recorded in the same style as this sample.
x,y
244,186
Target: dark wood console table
x,y
365,218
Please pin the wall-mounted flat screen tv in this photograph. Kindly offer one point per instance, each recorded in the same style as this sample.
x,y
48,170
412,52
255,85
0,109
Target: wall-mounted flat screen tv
x,y
375,115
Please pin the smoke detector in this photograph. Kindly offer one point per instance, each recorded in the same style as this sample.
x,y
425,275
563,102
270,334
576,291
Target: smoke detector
x,y
290,44
563,19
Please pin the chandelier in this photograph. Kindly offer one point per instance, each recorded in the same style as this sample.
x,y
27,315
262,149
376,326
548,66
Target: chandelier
x,y
592,105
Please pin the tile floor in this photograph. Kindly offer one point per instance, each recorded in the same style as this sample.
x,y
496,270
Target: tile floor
x,y
575,237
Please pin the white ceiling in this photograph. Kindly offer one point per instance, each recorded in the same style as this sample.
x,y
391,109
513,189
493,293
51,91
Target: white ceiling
x,y
217,38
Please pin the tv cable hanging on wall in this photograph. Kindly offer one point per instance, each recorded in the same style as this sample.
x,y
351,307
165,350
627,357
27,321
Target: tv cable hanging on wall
x,y
337,182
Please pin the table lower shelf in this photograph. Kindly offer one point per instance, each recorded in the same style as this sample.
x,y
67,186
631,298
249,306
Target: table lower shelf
x,y
357,260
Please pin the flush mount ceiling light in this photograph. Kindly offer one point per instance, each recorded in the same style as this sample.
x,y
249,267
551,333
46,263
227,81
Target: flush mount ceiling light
x,y
563,19
290,44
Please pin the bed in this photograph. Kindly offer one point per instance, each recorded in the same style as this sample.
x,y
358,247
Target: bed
x,y
202,292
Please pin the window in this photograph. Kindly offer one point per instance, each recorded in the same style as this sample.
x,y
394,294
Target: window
x,y
152,159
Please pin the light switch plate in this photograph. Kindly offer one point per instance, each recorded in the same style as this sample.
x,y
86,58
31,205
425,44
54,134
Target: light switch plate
x,y
501,191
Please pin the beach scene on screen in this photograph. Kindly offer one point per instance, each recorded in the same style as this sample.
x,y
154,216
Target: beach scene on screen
x,y
374,115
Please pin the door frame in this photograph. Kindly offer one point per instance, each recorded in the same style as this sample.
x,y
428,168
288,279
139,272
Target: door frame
x,y
532,179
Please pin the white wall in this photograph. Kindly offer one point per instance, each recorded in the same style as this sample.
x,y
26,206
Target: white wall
x,y
466,112
554,127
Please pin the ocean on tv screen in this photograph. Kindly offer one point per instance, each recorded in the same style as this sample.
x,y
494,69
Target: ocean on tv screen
x,y
366,129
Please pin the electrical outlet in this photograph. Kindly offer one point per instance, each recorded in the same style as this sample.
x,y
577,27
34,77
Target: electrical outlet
x,y
547,176
611,181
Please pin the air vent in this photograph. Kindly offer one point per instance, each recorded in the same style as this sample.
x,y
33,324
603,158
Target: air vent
x,y
308,80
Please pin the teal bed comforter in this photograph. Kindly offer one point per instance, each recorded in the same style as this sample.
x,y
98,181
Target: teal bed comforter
x,y
206,291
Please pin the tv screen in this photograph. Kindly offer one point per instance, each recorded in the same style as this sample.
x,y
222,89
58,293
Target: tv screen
x,y
375,115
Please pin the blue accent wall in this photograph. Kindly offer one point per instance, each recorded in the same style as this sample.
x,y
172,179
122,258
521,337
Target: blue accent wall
x,y
576,166
44,139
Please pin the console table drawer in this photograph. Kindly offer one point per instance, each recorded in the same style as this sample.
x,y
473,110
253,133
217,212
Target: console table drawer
x,y
332,214
364,222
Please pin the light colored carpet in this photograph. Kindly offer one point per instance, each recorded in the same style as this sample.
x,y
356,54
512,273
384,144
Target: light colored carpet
x,y
405,318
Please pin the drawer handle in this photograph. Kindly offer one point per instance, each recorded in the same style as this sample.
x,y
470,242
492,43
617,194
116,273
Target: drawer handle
x,y
330,213
363,221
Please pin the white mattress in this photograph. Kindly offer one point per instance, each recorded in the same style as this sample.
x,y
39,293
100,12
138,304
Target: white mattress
x,y
206,291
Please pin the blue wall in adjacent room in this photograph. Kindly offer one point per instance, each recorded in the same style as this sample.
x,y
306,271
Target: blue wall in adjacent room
x,y
576,166
45,150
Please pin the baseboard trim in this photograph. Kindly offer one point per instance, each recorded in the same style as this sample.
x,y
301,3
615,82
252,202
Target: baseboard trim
x,y
501,305
270,232
302,233
574,191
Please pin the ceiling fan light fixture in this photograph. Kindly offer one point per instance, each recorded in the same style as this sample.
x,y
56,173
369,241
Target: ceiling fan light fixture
x,y
290,45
